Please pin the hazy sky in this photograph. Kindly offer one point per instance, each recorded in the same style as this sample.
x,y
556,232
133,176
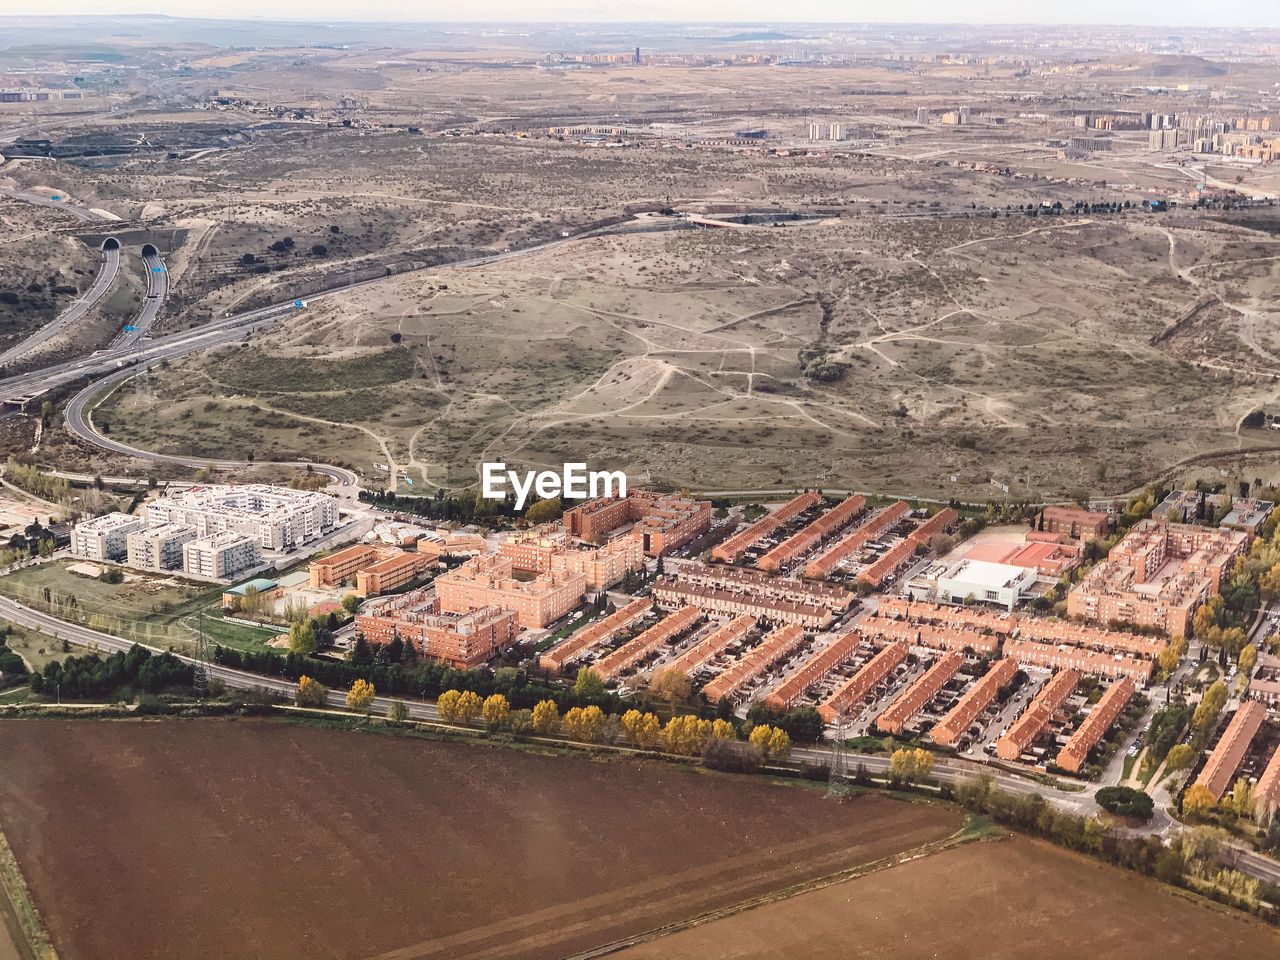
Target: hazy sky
x,y
1239,13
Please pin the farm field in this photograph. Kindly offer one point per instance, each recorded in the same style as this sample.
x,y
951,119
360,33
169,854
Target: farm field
x,y
267,839
1001,901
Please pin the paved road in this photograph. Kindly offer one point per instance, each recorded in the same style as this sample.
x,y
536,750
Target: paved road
x,y
157,290
78,308
80,422
43,200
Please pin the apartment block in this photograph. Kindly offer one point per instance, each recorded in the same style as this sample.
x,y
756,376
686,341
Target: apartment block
x,y
1226,756
393,572
462,640
1076,524
1073,755
487,580
765,525
554,551
957,721
775,647
638,648
220,555
1065,657
661,522
159,548
913,699
1037,715
849,695
278,518
784,696
713,645
337,568
105,537
595,634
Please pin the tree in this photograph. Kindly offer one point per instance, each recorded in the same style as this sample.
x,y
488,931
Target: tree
x,y
1197,800
686,735
311,693
469,707
583,723
1180,757
1242,798
1206,715
495,710
761,734
1126,802
360,696
545,717
723,730
671,685
302,637
780,745
351,603
447,706
910,766
588,684
641,728
398,711
544,511
1172,655
1248,659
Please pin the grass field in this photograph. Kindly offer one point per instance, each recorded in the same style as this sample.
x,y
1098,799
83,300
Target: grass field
x,y
1014,900
268,839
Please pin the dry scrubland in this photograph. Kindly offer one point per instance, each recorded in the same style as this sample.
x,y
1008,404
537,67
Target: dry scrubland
x,y
34,260
278,841
1014,349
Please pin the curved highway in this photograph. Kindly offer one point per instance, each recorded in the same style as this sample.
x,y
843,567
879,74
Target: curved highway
x,y
157,290
78,308
79,419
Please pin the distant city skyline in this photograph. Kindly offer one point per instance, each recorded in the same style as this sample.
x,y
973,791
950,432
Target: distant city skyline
x,y
1241,14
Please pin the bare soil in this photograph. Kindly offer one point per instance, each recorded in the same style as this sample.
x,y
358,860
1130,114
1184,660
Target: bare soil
x,y
211,839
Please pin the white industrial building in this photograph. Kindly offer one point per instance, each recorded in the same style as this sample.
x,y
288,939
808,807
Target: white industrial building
x,y
986,582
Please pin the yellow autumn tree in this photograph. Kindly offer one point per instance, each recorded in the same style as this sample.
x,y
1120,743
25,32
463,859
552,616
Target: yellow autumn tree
x,y
311,693
779,745
469,706
545,717
583,723
360,696
911,766
723,730
760,736
686,735
495,710
447,706
1197,799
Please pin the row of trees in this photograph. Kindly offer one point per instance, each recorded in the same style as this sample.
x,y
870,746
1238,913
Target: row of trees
x,y
91,675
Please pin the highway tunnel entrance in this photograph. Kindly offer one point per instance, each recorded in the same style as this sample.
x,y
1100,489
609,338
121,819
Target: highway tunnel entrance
x,y
149,250
111,243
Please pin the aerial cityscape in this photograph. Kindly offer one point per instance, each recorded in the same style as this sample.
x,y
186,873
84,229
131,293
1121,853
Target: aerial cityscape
x,y
847,454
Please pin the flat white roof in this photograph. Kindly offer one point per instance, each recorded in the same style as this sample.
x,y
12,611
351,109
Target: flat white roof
x,y
984,573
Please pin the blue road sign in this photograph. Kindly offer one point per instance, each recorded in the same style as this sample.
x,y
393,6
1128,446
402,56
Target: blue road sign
x,y
130,329
157,269
298,303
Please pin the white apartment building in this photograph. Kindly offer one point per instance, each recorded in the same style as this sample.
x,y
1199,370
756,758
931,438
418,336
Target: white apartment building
x,y
105,537
221,555
277,518
159,548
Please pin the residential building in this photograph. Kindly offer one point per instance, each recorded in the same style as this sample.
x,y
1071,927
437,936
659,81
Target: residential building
x,y
871,529
814,533
105,537
638,648
595,634
552,550
393,572
720,639
776,647
947,615
278,518
220,555
1066,657
1085,635
848,698
1076,524
1037,715
1073,755
1231,748
337,568
159,548
765,525
462,640
452,543
913,699
488,581
660,522
958,639
956,723
720,602
786,694
1266,793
